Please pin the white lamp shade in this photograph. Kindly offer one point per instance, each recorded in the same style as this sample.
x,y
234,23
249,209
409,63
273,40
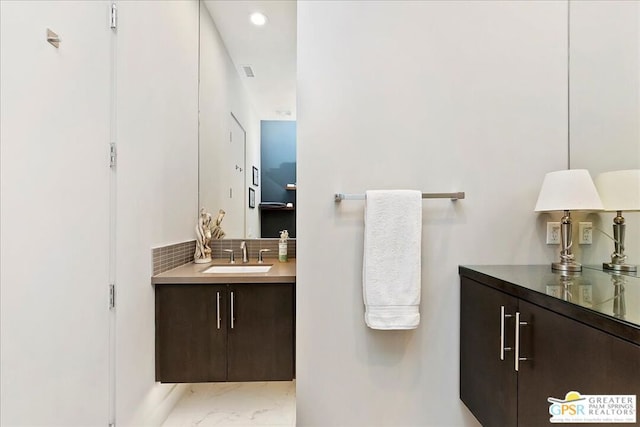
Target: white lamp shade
x,y
620,190
568,190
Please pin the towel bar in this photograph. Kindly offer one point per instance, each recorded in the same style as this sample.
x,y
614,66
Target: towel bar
x,y
453,196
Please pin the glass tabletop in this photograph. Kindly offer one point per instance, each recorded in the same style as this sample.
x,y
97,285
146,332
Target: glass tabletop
x,y
613,294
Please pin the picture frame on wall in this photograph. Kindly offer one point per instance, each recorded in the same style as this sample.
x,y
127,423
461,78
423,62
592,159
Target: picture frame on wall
x,y
252,198
255,176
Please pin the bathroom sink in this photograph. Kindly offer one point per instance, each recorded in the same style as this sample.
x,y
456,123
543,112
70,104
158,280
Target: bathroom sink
x,y
238,268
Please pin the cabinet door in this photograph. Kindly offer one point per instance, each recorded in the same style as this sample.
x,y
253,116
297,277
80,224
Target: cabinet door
x,y
260,334
488,383
191,333
567,355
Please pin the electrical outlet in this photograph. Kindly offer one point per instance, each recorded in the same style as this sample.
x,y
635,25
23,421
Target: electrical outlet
x,y
553,233
585,230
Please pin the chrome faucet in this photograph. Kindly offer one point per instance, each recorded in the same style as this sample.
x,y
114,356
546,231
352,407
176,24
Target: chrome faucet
x,y
243,248
260,258
232,259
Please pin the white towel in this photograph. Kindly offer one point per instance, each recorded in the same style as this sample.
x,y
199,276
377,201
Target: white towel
x,y
391,265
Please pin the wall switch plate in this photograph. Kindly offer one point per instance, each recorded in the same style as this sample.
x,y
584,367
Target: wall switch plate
x,y
585,230
553,233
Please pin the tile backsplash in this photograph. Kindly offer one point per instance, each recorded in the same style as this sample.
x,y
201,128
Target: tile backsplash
x,y
172,256
253,246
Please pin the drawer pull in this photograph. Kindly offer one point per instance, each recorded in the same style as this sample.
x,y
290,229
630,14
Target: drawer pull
x,y
519,359
233,319
502,317
218,308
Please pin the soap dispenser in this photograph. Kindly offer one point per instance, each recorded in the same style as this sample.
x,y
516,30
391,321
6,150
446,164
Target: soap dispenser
x,y
282,246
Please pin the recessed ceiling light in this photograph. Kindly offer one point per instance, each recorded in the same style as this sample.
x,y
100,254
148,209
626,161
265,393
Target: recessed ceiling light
x,y
258,19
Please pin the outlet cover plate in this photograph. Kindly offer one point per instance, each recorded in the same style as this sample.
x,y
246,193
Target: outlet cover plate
x,y
553,233
585,230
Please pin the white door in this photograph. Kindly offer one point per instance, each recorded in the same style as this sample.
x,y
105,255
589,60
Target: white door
x,y
234,221
54,213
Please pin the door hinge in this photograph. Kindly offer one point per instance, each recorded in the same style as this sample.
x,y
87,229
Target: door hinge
x,y
114,17
112,296
112,155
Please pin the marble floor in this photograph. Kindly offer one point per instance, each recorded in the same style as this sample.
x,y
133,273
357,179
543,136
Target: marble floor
x,y
236,404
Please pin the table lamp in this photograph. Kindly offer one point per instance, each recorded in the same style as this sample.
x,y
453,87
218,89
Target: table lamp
x,y
567,190
619,191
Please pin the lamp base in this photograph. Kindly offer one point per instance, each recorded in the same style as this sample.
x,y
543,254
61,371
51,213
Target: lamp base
x,y
570,267
619,267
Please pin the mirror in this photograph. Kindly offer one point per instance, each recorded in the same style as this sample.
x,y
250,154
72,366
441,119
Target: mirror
x,y
604,85
232,104
604,105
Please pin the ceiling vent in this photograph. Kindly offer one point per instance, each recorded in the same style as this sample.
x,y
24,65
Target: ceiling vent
x,y
248,71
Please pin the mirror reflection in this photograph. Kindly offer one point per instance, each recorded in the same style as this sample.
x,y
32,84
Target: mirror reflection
x,y
604,85
604,93
604,110
247,115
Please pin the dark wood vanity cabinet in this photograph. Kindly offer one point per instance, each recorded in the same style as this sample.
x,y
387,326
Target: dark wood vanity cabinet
x,y
191,333
566,355
240,332
260,340
487,379
557,354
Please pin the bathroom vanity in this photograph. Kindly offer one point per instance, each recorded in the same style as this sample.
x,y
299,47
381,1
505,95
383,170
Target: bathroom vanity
x,y
528,334
225,326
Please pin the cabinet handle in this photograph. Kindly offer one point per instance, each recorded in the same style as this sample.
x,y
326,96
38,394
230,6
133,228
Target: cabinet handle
x,y
519,359
218,308
502,317
232,311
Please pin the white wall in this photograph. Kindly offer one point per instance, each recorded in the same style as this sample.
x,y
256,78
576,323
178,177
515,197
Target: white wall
x,y
221,93
157,181
54,215
55,200
436,96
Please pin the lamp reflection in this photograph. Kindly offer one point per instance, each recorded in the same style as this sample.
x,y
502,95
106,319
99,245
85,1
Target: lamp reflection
x,y
618,298
619,305
571,288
